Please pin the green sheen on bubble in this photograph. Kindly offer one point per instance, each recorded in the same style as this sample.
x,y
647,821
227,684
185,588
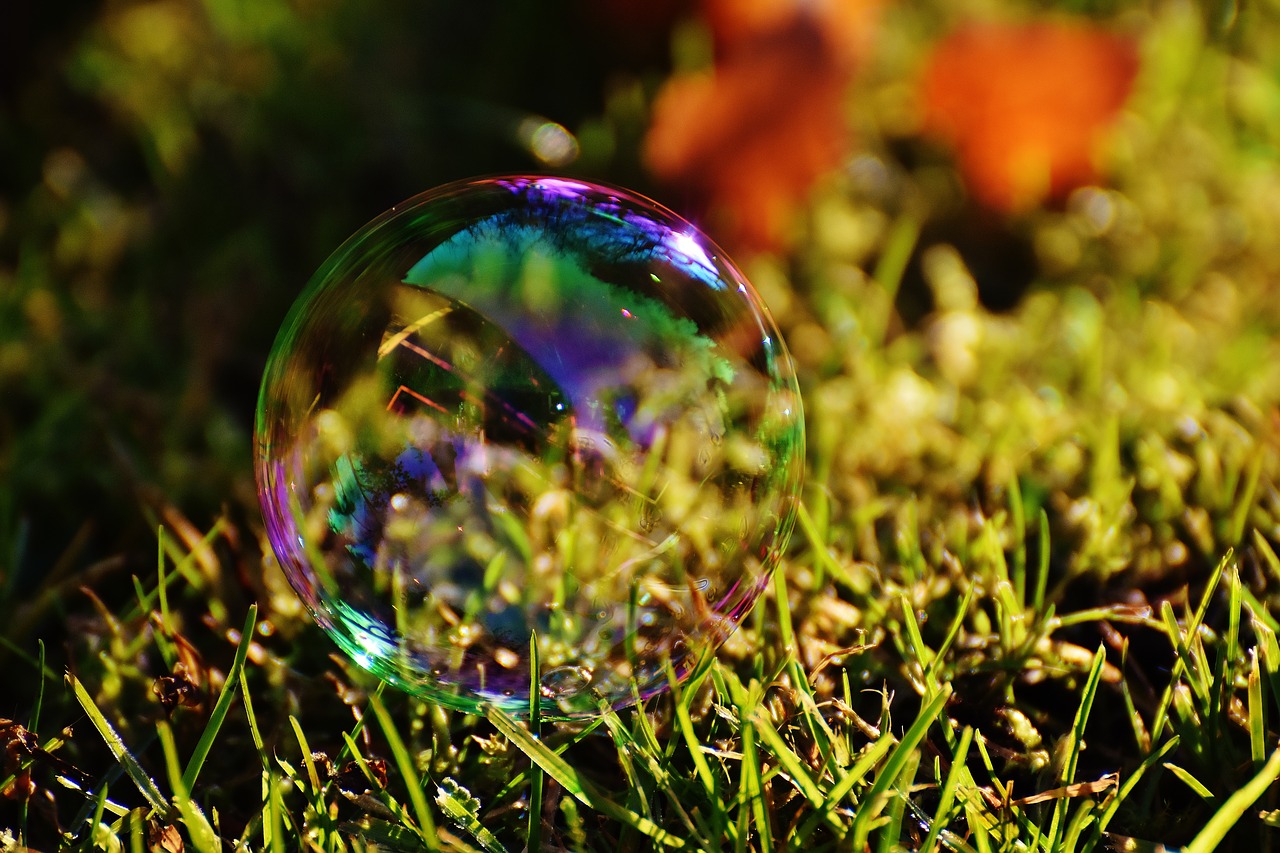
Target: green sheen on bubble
x,y
525,406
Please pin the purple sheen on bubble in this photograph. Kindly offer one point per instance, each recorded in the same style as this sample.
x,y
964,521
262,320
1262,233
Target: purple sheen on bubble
x,y
529,406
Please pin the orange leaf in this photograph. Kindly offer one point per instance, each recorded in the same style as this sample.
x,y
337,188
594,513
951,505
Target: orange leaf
x,y
750,137
846,25
1025,106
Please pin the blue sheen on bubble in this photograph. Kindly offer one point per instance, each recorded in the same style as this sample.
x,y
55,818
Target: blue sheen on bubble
x,y
525,405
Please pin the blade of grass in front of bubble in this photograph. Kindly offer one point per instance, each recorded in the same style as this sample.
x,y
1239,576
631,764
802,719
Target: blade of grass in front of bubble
x,y
518,781
404,762
574,783
641,789
223,704
643,733
684,722
144,783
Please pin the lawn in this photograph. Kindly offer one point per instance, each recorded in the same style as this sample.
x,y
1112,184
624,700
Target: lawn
x,y
1025,258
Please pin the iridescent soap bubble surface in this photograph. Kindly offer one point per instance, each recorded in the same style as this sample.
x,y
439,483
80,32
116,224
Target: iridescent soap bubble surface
x,y
524,407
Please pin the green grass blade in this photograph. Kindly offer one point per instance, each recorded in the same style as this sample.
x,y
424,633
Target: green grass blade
x,y
962,611
404,761
949,787
788,760
684,722
35,711
144,783
1201,790
874,801
1257,711
307,761
203,837
1018,547
274,816
1127,787
223,706
533,835
1240,514
753,786
1042,565
1082,715
782,603
458,805
845,785
576,784
252,718
1234,807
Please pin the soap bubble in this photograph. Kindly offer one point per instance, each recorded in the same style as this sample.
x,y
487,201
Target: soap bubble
x,y
523,407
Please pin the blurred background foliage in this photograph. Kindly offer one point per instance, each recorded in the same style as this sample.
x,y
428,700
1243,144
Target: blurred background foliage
x,y
171,171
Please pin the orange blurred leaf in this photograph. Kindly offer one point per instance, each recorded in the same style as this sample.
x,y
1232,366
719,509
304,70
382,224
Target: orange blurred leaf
x,y
749,138
847,26
1026,106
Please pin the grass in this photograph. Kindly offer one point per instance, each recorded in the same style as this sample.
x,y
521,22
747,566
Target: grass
x,y
768,763
1029,604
